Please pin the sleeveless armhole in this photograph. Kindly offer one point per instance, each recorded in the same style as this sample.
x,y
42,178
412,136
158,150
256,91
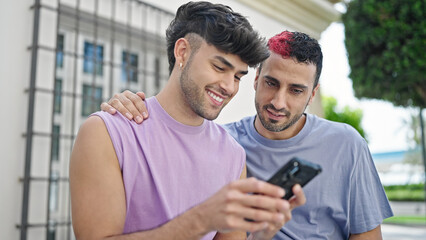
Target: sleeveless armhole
x,y
112,124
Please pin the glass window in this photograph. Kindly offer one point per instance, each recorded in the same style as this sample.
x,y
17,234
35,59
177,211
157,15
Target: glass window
x,y
60,51
51,234
55,142
92,99
54,193
90,56
58,98
157,73
129,67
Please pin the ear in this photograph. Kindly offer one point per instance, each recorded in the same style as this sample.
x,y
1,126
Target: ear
x,y
181,51
256,79
314,91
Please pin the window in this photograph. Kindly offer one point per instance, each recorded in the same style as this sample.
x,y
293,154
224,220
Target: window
x,y
129,67
92,99
60,51
54,191
51,234
157,73
55,142
58,98
90,57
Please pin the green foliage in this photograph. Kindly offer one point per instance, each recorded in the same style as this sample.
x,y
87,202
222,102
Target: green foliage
x,y
410,192
350,116
410,220
386,42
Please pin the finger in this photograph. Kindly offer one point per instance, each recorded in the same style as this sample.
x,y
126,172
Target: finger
x,y
286,212
118,105
267,203
252,185
141,95
108,108
130,108
237,208
262,215
145,113
299,197
127,98
263,205
239,224
139,103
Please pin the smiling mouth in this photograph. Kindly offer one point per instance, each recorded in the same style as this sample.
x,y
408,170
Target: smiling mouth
x,y
216,99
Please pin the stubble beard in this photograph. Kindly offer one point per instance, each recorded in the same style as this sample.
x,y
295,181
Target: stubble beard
x,y
194,95
273,125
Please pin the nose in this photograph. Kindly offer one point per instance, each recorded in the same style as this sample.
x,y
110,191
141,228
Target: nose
x,y
279,101
228,84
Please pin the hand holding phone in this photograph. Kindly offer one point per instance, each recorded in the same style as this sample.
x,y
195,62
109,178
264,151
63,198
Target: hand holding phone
x,y
296,171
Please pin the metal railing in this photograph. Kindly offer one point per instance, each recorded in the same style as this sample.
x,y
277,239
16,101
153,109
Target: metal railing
x,y
140,32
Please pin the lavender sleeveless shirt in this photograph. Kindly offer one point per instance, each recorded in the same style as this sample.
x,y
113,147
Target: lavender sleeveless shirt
x,y
169,167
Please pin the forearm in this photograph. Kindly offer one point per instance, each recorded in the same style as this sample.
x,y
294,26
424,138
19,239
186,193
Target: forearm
x,y
253,236
186,226
375,234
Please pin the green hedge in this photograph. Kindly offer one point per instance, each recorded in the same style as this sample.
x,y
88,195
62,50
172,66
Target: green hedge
x,y
409,220
411,192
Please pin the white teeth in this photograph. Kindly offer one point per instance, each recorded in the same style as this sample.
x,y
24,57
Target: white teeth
x,y
219,99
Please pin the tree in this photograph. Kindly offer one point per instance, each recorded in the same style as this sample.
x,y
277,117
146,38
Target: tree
x,y
350,116
385,41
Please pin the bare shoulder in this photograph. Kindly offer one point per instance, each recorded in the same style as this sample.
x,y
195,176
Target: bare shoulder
x,y
97,192
92,140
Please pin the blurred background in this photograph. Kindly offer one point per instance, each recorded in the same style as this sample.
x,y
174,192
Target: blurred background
x,y
61,58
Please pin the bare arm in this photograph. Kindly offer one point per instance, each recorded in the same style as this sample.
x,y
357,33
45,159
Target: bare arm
x,y
98,197
375,234
99,207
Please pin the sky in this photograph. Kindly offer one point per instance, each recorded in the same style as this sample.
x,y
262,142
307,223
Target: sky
x,y
383,123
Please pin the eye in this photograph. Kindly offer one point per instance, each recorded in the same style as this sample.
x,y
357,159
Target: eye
x,y
297,91
271,84
237,78
220,69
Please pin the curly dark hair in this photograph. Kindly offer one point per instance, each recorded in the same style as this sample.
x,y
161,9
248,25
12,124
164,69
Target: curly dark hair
x,y
219,26
298,46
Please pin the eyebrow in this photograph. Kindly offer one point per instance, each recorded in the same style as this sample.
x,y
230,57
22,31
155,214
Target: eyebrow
x,y
227,63
293,84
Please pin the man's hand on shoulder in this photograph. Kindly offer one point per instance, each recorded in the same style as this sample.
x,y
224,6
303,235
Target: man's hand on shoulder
x,y
128,104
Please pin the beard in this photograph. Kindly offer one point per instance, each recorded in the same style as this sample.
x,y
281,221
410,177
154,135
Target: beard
x,y
194,96
273,125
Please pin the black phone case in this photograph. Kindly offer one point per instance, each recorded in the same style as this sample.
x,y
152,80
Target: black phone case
x,y
295,171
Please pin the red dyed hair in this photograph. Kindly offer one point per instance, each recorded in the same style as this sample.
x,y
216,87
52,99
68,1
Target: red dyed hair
x,y
280,43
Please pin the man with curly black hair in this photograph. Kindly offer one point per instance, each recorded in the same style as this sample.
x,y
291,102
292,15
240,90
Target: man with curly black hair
x,y
347,200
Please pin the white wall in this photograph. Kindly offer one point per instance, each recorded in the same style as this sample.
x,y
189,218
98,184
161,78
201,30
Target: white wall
x,y
16,32
243,103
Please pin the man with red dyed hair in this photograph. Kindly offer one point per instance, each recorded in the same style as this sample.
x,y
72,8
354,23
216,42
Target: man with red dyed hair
x,y
347,200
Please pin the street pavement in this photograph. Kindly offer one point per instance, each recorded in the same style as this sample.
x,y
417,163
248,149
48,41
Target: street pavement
x,y
408,208
399,232
405,232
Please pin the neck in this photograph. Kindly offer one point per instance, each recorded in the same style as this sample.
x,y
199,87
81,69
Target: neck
x,y
174,103
290,132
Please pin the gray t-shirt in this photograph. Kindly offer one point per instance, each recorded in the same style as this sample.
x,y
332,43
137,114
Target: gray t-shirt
x,y
347,197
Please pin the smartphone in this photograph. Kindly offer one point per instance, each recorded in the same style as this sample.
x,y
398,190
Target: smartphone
x,y
295,171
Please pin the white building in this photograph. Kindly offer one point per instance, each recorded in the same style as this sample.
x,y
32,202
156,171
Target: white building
x,y
61,58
